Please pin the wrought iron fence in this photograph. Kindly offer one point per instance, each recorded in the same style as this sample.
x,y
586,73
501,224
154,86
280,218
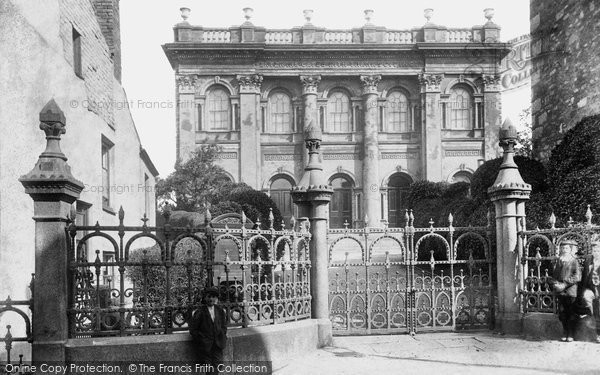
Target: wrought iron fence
x,y
410,279
263,275
538,256
16,307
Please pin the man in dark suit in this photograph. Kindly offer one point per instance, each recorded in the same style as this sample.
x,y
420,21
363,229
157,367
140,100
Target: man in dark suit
x,y
566,276
590,286
208,327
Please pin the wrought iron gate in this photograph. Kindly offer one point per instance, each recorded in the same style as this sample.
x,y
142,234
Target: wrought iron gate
x,y
395,280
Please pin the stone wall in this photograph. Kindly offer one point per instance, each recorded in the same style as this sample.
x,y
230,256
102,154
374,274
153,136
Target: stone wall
x,y
565,50
109,18
97,65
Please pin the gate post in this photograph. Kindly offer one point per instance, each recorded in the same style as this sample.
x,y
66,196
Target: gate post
x,y
312,196
509,193
53,190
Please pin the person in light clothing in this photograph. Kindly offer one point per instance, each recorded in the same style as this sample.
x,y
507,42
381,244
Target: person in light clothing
x,y
566,275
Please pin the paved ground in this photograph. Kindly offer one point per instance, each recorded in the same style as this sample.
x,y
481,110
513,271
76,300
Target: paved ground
x,y
448,353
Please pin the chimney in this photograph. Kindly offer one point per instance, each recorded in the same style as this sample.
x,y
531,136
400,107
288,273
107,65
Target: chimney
x,y
108,16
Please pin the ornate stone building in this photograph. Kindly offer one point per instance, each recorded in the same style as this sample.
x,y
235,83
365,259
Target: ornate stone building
x,y
394,106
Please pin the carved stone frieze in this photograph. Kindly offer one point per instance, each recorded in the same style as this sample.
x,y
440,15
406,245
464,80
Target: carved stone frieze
x,y
459,153
353,156
398,155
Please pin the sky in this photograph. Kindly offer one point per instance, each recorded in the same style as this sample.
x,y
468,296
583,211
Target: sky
x,y
149,80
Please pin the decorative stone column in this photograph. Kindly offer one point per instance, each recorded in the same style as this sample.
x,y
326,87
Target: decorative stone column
x,y
310,109
312,196
492,114
371,194
509,193
431,146
53,190
186,115
250,163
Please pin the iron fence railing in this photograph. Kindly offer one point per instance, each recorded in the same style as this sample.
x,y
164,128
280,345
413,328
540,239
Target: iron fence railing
x,y
411,279
537,259
263,275
18,307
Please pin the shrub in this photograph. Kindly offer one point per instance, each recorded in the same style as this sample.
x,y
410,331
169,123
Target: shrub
x,y
532,171
574,172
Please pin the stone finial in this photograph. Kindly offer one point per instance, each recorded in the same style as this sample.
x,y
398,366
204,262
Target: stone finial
x,y
185,13
248,13
368,16
51,174
509,182
308,15
428,13
489,13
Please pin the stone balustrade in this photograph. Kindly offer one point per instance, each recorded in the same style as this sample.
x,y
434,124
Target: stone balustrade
x,y
311,34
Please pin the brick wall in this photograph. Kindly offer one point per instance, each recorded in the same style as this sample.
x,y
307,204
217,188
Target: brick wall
x,y
108,15
97,65
565,49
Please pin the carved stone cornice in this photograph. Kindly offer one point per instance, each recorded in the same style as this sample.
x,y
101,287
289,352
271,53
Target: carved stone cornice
x,y
430,82
310,84
370,84
250,84
187,83
491,82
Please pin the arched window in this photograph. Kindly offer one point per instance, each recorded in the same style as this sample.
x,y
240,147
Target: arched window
x,y
280,190
397,112
461,107
397,190
340,209
462,176
338,113
219,109
280,113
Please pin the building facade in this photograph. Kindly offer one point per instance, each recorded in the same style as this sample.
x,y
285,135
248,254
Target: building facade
x,y
67,51
394,106
565,50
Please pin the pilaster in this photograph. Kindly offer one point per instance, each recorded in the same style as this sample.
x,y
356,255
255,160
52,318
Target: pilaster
x,y
492,114
371,194
250,152
431,147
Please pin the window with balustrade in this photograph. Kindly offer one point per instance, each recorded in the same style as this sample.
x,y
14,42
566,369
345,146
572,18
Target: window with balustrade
x,y
397,116
460,111
280,113
338,113
218,109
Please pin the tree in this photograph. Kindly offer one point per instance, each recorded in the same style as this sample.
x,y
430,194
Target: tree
x,y
524,136
195,182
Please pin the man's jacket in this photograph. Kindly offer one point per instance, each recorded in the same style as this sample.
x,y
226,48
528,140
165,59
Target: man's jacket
x,y
206,332
569,273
